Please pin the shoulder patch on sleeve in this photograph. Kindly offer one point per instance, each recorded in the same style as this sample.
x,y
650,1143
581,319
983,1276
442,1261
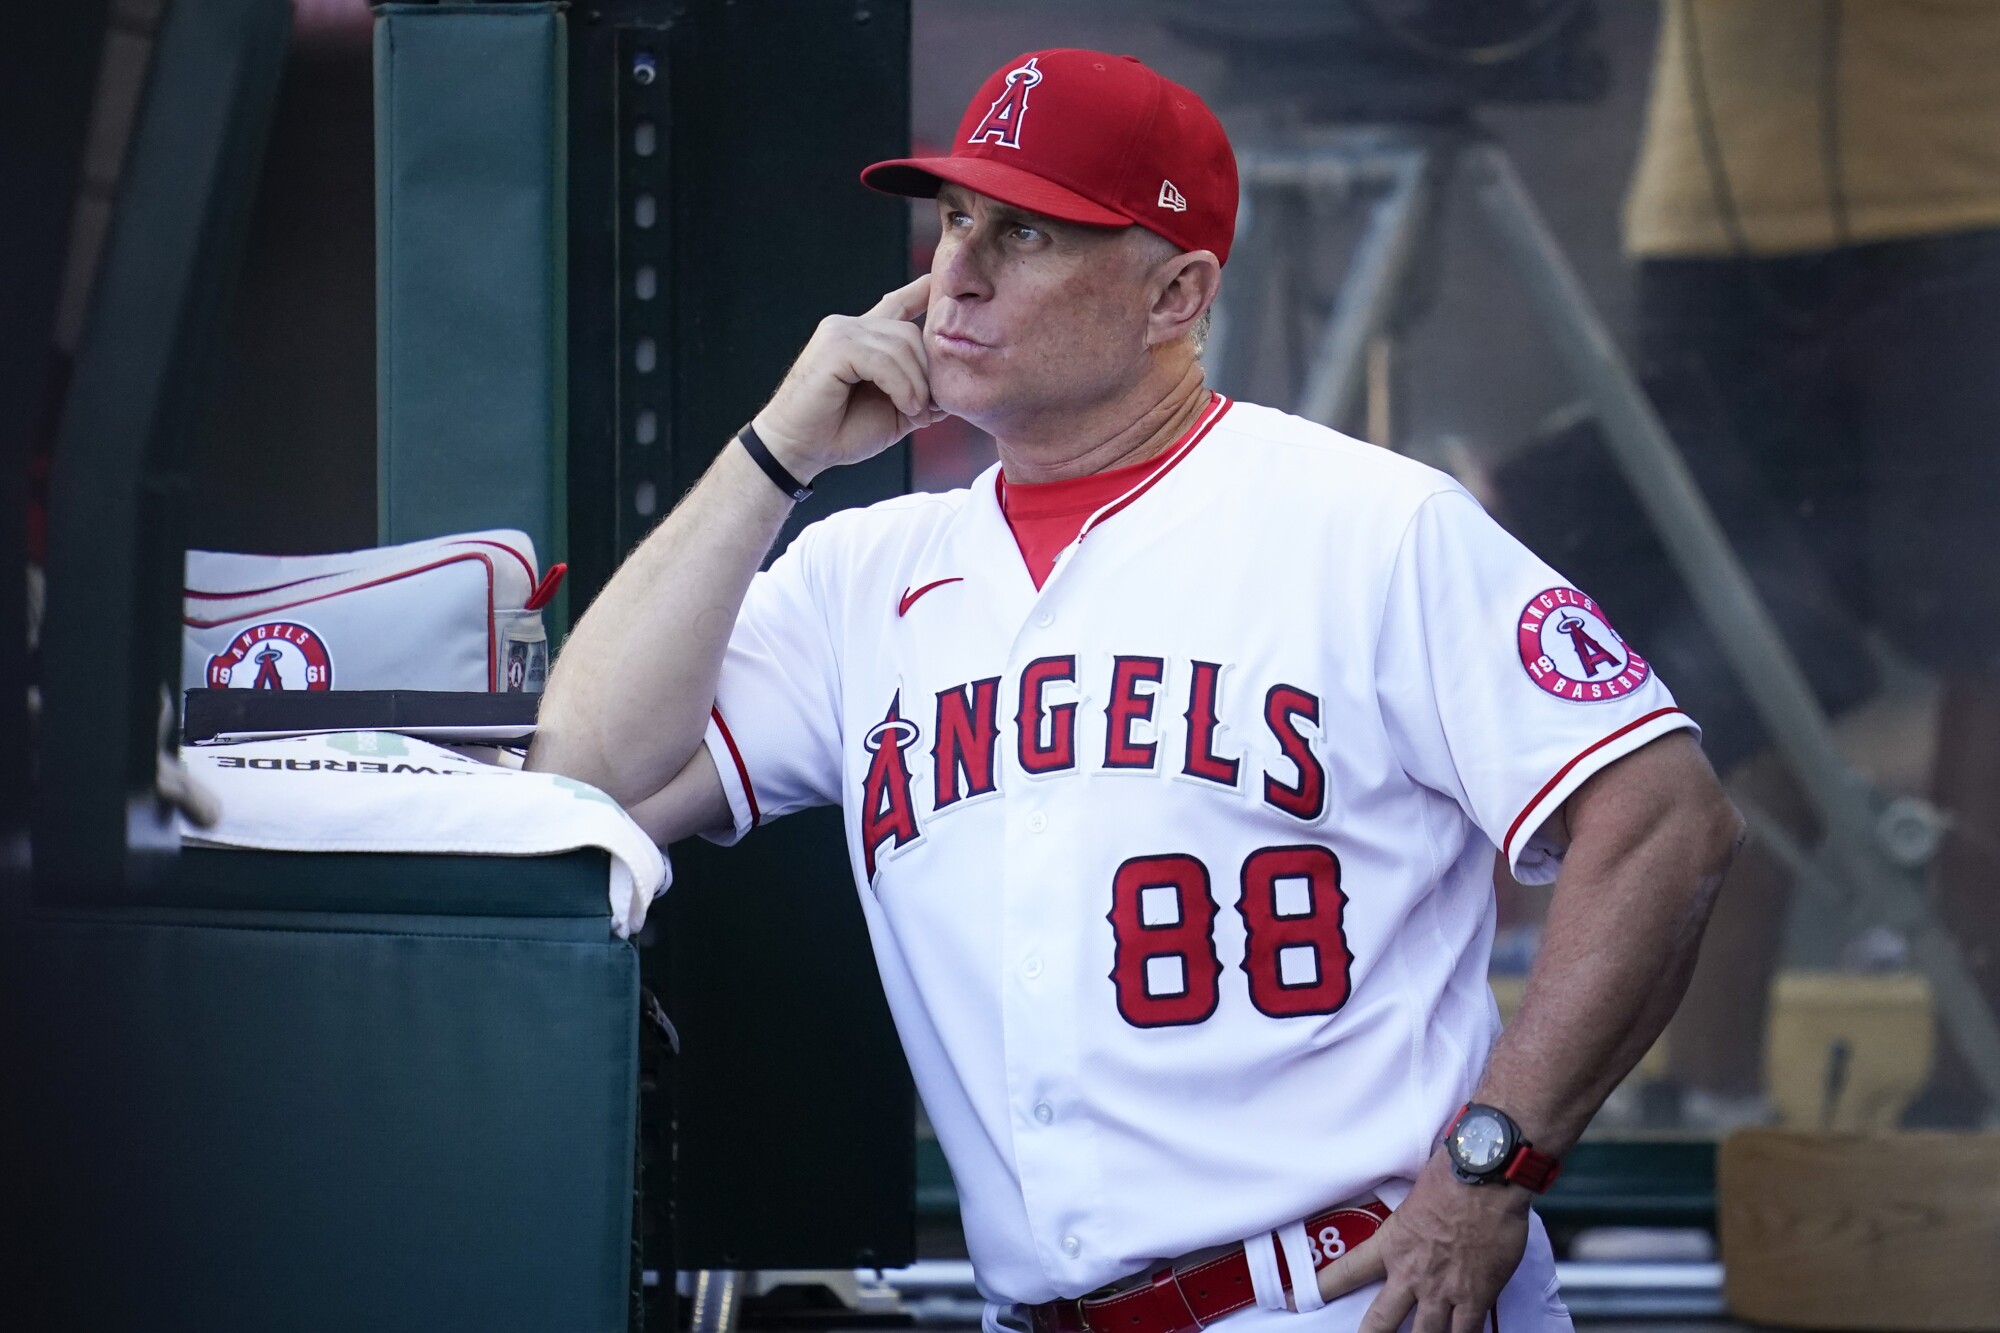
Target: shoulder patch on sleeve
x,y
1569,649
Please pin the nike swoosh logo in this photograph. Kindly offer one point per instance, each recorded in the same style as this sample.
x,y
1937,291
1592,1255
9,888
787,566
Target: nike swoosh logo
x,y
910,598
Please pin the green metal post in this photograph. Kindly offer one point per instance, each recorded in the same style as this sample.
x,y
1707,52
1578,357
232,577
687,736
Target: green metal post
x,y
471,183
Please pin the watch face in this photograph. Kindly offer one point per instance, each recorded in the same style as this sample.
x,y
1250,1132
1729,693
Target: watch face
x,y
1479,1142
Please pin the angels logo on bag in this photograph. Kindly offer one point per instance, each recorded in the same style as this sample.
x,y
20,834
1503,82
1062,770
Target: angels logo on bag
x,y
276,655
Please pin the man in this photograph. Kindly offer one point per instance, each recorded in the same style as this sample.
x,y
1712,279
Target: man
x,y
1173,754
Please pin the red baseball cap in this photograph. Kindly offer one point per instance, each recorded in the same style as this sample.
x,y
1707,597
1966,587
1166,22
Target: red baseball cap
x,y
1087,137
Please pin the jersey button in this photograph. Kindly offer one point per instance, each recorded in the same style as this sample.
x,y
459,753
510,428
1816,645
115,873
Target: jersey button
x,y
1046,619
1072,1246
1044,1112
1032,968
1037,822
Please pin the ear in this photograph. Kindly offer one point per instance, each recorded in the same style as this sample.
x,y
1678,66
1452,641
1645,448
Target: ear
x,y
1184,286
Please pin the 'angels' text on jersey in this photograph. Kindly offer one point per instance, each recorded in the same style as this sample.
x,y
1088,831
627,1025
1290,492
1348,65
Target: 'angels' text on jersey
x,y
1039,728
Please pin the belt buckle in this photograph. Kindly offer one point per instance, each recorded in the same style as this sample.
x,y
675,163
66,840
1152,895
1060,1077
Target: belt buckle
x,y
1157,1305
1060,1316
1150,1294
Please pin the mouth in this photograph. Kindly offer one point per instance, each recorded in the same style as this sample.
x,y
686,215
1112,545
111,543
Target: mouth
x,y
957,344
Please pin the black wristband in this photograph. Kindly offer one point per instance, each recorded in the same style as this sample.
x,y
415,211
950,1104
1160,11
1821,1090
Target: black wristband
x,y
773,469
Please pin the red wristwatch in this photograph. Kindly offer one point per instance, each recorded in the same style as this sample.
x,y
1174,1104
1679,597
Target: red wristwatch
x,y
1486,1147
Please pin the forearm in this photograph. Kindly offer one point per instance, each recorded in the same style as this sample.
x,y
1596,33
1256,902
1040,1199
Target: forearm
x,y
1618,947
628,701
629,696
1610,973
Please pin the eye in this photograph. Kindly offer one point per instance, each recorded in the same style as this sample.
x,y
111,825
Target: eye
x,y
1025,233
954,218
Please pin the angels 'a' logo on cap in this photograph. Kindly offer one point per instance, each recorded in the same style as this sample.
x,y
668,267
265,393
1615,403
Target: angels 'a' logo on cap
x,y
1172,198
1002,122
1571,651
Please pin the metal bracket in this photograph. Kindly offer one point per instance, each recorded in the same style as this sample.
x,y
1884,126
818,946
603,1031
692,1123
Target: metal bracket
x,y
643,237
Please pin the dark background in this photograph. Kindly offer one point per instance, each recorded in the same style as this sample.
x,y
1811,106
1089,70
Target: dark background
x,y
290,463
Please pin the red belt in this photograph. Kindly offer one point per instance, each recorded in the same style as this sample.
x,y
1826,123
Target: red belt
x,y
1184,1297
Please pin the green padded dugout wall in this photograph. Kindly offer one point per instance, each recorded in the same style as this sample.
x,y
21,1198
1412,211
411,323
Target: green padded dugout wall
x,y
470,189
396,1093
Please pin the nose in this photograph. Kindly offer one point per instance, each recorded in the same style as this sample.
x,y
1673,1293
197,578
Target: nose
x,y
958,270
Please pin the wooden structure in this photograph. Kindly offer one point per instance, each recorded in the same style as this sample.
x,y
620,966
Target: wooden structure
x,y
1848,1053
1839,1231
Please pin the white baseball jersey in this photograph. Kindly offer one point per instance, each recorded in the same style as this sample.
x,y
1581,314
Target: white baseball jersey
x,y
1179,870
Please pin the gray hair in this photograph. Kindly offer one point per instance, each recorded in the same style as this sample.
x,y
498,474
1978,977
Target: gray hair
x,y
1197,337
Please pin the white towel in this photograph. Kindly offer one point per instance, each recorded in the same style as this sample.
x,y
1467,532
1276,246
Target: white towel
x,y
375,791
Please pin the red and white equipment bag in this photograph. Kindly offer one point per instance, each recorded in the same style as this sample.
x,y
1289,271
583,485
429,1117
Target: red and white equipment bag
x,y
452,613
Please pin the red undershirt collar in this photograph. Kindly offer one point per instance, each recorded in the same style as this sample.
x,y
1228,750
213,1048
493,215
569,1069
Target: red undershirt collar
x,y
1046,517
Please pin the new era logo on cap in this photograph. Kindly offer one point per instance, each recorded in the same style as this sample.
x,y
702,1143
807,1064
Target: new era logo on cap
x,y
1172,198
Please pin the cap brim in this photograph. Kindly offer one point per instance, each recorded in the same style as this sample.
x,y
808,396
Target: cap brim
x,y
920,177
